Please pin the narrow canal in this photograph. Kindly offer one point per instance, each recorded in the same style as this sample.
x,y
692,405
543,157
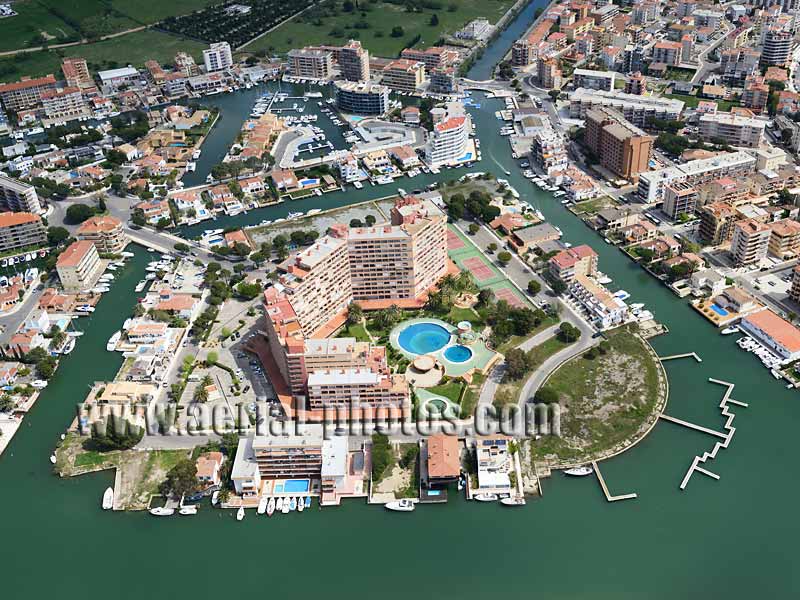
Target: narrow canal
x,y
733,538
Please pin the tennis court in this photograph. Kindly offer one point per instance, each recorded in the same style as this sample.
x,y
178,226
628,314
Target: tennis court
x,y
453,241
509,295
479,269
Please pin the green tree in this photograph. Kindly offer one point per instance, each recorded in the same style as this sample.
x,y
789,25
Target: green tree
x,y
181,479
248,290
57,235
546,395
354,313
434,20
504,257
382,456
181,247
78,213
517,363
534,287
473,228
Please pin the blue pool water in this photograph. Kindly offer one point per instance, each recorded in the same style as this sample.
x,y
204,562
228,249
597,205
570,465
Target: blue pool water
x,y
308,182
292,486
719,310
458,354
422,338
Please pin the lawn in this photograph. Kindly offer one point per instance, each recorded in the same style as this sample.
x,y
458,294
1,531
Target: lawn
x,y
678,74
93,458
373,24
693,101
32,19
357,331
456,315
134,49
450,390
516,340
471,395
607,401
593,206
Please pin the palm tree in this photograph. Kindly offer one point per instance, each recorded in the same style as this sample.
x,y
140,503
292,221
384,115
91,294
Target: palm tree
x,y
201,393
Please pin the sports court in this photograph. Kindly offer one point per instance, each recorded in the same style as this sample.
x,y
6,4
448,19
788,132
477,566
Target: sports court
x,y
468,257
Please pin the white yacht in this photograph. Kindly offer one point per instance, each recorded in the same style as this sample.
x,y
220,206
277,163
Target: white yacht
x,y
579,471
404,505
730,330
485,497
518,501
188,510
112,342
262,505
240,513
162,511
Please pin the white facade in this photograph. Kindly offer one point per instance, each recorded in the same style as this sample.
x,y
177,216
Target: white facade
x,y
217,57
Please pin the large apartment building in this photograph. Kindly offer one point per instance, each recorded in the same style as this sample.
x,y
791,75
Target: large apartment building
x,y
449,140
549,151
105,232
580,260
76,72
621,147
310,63
635,108
716,223
433,57
680,198
64,105
361,98
784,242
695,172
750,242
21,230
404,75
79,266
217,57
25,93
16,196
733,129
354,61
776,47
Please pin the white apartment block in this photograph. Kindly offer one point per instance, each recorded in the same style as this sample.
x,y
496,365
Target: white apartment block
x,y
310,63
734,129
695,172
750,242
16,196
636,109
217,57
593,80
449,140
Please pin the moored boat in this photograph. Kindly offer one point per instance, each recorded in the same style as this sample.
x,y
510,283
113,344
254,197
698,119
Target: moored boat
x,y
485,497
404,505
518,501
262,505
300,505
108,499
52,459
162,511
240,513
579,471
292,504
112,342
188,510
270,507
214,498
730,330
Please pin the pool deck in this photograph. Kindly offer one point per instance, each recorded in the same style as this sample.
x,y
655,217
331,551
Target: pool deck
x,y
481,358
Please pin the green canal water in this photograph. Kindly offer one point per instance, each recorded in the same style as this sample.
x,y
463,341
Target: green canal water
x,y
732,538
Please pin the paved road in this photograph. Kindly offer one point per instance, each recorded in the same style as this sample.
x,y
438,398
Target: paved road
x,y
10,322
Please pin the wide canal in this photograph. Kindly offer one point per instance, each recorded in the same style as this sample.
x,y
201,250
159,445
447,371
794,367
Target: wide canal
x,y
732,538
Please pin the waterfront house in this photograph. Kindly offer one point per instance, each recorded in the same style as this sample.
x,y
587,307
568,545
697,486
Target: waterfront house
x,y
9,372
443,463
245,473
208,468
774,332
494,463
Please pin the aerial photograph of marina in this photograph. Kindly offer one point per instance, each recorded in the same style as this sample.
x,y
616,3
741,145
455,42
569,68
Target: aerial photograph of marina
x,y
273,274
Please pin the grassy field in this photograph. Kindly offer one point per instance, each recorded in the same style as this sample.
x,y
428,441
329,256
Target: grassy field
x,y
134,49
373,26
152,11
508,392
450,390
33,19
606,401
693,101
355,331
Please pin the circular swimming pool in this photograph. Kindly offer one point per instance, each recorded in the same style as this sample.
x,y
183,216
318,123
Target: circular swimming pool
x,y
458,354
422,338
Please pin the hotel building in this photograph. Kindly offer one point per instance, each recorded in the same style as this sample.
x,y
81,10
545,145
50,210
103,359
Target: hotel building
x,y
105,232
21,230
16,196
733,129
310,63
79,266
76,73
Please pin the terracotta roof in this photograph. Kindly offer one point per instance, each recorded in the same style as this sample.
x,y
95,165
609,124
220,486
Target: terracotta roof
x,y
780,330
443,456
26,83
99,224
74,254
9,219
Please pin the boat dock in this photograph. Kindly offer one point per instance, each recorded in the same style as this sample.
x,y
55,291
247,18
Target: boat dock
x,y
726,437
693,355
603,485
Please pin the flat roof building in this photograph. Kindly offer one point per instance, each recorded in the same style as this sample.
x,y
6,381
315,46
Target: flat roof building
x,y
79,266
16,196
21,230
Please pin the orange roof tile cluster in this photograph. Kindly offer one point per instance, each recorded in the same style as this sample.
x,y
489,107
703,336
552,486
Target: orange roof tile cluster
x,y
75,253
780,330
99,224
10,219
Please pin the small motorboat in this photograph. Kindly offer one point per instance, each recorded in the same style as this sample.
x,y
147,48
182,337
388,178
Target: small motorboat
x,y
301,504
112,342
214,498
286,506
188,510
52,459
270,507
485,497
730,330
579,471
108,499
292,504
162,511
240,513
518,501
262,506
308,501
404,505
279,505
461,483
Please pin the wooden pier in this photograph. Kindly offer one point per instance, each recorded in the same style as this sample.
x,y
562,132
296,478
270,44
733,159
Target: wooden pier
x,y
693,355
726,437
603,485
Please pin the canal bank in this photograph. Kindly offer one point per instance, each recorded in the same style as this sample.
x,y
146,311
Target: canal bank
x,y
732,538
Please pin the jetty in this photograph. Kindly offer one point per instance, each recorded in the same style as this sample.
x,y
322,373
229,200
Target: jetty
x,y
693,355
603,485
726,437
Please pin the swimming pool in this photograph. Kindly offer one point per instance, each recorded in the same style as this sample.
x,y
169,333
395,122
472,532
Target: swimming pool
x,y
308,182
719,310
458,353
422,338
292,486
